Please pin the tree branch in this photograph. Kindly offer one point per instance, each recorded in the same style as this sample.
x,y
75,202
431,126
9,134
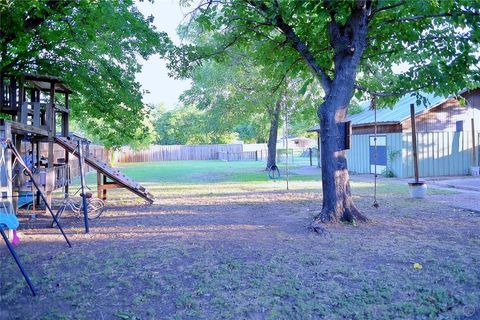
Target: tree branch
x,y
284,76
427,16
295,42
389,7
386,94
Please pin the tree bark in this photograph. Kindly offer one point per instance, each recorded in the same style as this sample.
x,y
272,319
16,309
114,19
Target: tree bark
x,y
348,42
337,197
274,114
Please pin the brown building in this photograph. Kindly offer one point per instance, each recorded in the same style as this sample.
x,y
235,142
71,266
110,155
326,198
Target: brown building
x,y
447,129
440,114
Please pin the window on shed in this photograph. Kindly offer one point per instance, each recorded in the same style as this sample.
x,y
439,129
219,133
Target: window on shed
x,y
459,126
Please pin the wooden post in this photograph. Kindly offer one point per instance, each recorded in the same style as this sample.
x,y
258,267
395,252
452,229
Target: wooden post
x,y
99,185
2,95
21,117
103,185
50,181
65,132
16,181
6,186
414,141
13,93
65,118
310,156
256,155
474,153
37,164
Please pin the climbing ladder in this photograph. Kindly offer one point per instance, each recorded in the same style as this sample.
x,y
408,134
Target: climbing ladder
x,y
115,175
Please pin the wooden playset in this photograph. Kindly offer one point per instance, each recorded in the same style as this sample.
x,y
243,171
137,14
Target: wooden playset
x,y
34,112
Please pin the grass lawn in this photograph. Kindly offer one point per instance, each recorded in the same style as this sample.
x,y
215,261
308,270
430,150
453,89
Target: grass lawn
x,y
222,241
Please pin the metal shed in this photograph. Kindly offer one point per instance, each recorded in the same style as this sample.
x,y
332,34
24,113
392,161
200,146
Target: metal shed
x,y
447,133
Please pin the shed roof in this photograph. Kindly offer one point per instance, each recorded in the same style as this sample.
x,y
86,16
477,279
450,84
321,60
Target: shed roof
x,y
392,115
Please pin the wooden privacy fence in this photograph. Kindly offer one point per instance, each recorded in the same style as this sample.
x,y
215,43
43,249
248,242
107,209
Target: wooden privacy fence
x,y
226,152
439,153
245,155
177,152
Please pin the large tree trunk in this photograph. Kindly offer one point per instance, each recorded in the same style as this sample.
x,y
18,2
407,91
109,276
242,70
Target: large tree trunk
x,y
337,198
272,137
349,43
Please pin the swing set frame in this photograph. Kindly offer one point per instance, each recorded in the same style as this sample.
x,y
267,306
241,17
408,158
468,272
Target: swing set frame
x,y
7,144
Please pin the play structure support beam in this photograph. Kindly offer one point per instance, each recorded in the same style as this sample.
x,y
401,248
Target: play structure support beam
x,y
103,186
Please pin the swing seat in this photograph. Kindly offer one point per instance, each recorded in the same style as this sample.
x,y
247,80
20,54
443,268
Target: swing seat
x,y
88,195
8,221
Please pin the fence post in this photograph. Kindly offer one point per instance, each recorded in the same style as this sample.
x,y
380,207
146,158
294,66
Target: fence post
x,y
256,155
310,155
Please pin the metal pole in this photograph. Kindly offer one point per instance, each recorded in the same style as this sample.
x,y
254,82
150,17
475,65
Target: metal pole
x,y
414,141
17,260
474,154
82,184
286,144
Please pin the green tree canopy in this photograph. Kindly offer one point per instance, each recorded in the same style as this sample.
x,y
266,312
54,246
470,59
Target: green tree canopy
x,y
189,125
94,47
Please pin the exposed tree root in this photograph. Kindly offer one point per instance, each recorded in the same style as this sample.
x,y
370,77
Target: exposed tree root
x,y
350,215
318,227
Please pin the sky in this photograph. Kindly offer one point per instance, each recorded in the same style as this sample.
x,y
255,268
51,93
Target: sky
x,y
154,76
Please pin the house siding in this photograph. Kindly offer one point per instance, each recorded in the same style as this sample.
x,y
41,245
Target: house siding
x,y
444,118
381,128
473,98
439,153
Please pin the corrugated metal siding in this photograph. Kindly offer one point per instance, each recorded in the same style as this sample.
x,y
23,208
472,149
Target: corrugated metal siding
x,y
394,146
358,156
439,153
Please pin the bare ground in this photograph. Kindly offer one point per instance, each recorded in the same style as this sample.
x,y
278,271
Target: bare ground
x,y
239,251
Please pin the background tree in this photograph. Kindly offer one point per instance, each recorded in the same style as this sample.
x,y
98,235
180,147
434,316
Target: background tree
x,y
348,46
189,125
94,47
238,88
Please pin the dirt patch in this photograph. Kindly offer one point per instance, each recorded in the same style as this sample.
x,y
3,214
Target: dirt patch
x,y
238,251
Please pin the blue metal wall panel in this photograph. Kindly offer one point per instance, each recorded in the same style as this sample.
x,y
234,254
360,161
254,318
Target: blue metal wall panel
x,y
439,153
